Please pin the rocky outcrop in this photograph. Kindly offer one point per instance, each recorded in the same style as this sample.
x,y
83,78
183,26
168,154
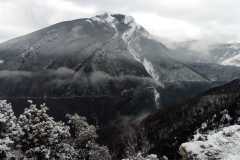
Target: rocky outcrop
x,y
223,144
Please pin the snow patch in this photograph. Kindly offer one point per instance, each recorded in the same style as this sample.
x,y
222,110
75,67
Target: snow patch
x,y
156,97
107,18
235,46
222,145
150,69
128,38
128,20
233,61
88,20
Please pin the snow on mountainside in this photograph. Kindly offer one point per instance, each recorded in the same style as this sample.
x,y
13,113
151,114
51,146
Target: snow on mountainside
x,y
102,42
233,61
111,43
222,145
96,56
127,37
226,54
103,33
202,52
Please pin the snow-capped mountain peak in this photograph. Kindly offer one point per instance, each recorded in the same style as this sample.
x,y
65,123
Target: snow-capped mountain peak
x,y
105,17
111,18
116,21
130,33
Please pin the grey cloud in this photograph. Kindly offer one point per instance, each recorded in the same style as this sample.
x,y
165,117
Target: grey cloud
x,y
216,19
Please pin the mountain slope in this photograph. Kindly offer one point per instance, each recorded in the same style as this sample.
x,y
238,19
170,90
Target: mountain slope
x,y
202,52
233,61
85,57
169,128
103,55
104,38
226,53
111,43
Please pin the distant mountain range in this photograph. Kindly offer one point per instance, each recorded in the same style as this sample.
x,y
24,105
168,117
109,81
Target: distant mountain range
x,y
202,52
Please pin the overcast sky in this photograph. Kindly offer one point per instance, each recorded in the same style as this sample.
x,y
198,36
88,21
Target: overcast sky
x,y
178,20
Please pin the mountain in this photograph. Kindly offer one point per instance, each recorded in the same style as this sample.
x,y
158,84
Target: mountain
x,y
109,54
96,42
233,61
92,57
203,52
222,53
106,55
192,51
76,56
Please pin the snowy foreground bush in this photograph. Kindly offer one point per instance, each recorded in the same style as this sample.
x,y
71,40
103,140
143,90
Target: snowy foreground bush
x,y
140,157
223,145
34,135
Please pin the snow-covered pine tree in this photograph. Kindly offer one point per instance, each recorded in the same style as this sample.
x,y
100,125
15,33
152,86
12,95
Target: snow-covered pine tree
x,y
36,136
80,130
84,139
9,130
139,156
42,137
